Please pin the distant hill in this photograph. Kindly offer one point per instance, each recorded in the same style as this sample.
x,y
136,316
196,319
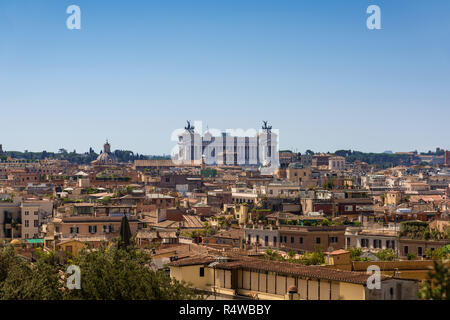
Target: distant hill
x,y
123,156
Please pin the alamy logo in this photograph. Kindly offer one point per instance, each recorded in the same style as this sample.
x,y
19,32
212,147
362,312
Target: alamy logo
x,y
374,281
374,20
233,147
74,280
74,20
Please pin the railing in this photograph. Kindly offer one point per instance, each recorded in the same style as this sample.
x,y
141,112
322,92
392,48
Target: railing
x,y
82,235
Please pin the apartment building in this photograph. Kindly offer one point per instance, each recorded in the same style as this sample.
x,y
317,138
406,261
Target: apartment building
x,y
282,190
372,239
31,221
311,238
263,236
419,247
90,228
23,218
336,163
10,220
257,278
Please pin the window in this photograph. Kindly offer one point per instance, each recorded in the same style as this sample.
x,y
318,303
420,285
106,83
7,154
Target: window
x,y
317,240
36,213
348,208
257,238
419,251
27,223
300,240
249,238
202,272
36,223
333,239
274,240
27,213
390,244
364,243
266,240
348,241
292,239
405,249
74,229
376,243
92,229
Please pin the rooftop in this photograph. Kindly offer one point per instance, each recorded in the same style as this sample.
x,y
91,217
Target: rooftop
x,y
246,262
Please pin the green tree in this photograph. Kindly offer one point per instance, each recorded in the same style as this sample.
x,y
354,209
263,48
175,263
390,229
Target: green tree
x,y
106,274
355,254
437,254
411,256
117,274
292,254
271,254
125,233
21,280
315,258
386,255
437,286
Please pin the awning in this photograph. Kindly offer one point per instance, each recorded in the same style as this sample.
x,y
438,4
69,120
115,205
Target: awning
x,y
35,240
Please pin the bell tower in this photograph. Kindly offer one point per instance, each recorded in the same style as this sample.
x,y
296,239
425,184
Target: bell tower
x,y
107,147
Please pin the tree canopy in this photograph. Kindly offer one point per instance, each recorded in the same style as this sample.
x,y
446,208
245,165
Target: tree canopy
x,y
437,286
106,274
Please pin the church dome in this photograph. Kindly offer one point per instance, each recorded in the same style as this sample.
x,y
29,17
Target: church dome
x,y
106,157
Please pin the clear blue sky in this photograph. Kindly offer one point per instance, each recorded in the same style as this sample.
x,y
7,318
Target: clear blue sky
x,y
138,69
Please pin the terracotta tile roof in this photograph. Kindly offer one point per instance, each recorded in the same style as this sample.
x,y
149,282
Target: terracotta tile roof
x,y
249,263
192,261
231,233
316,272
93,219
335,252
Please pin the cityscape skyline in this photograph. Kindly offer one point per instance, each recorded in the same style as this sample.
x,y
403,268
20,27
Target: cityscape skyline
x,y
314,71
98,149
224,155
